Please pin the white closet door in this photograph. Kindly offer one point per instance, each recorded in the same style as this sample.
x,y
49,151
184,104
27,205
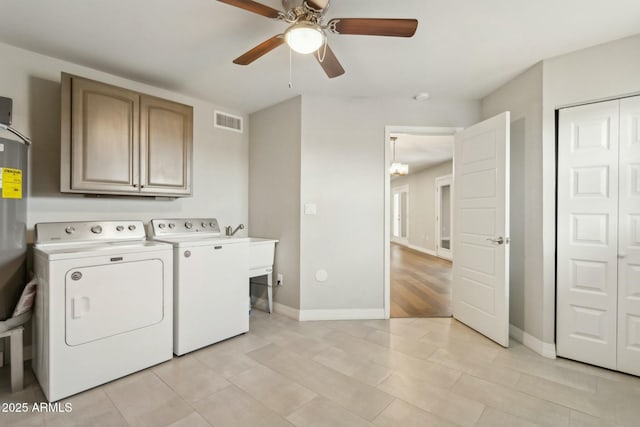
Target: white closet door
x,y
629,245
587,233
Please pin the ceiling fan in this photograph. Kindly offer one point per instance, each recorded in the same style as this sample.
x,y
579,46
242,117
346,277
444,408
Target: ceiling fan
x,y
307,32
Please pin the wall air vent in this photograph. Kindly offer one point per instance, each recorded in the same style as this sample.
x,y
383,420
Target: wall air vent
x,y
228,121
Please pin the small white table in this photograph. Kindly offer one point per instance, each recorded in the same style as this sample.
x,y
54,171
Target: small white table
x,y
261,257
16,360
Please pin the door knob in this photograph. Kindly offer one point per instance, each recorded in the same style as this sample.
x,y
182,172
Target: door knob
x,y
498,241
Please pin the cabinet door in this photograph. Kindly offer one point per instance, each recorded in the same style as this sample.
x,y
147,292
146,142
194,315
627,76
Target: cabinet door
x,y
629,241
587,276
104,137
166,139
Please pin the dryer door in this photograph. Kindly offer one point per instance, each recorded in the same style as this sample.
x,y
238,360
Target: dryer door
x,y
107,300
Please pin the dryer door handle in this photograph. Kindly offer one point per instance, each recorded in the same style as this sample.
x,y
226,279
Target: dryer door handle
x,y
79,307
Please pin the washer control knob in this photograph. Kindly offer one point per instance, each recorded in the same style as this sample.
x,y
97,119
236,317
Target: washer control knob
x,y
120,228
96,229
204,225
162,225
187,254
132,227
188,225
69,230
172,225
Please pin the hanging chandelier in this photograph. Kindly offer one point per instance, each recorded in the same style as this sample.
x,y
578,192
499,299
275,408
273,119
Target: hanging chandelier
x,y
397,168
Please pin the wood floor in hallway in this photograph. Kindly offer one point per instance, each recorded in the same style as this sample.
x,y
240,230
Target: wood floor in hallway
x,y
420,284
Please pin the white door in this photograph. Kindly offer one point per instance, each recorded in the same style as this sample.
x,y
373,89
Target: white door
x,y
444,220
629,240
112,299
587,245
480,237
400,226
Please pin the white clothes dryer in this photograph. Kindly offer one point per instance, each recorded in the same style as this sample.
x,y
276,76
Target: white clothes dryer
x,y
211,282
104,304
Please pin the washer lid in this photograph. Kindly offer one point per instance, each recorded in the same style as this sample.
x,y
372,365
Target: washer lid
x,y
203,240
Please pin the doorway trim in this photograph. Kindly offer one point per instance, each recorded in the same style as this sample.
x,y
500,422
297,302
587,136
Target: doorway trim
x,y
443,181
388,130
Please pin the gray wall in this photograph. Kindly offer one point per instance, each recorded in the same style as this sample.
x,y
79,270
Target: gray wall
x,y
343,172
523,97
220,169
601,72
605,71
422,204
274,190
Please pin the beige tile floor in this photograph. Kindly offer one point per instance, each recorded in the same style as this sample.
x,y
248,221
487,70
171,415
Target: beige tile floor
x,y
403,372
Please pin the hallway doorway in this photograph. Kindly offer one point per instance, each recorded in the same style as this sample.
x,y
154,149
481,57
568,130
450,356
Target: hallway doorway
x,y
419,245
420,284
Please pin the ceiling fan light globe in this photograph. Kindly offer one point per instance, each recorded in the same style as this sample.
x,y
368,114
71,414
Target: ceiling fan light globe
x,y
304,37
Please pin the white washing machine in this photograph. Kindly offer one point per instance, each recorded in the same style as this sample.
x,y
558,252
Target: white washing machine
x,y
104,304
211,284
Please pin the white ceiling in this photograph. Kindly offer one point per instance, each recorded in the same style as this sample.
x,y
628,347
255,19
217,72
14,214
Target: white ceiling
x,y
423,151
463,49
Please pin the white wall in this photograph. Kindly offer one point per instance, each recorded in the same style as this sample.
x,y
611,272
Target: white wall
x,y
274,190
422,204
343,172
220,169
523,97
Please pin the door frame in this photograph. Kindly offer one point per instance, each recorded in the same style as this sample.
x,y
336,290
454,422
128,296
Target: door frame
x,y
388,130
443,181
402,240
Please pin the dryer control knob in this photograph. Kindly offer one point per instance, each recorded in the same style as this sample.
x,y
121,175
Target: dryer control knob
x,y
69,230
119,228
96,229
132,227
188,225
204,225
172,225
162,225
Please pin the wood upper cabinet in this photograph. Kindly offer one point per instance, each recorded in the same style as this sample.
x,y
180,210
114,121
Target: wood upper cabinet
x,y
121,142
165,150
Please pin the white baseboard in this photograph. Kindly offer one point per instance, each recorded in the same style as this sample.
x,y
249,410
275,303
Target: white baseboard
x,y
285,310
344,314
423,250
418,248
542,348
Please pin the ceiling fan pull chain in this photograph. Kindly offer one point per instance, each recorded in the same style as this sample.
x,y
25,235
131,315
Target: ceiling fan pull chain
x,y
290,70
324,52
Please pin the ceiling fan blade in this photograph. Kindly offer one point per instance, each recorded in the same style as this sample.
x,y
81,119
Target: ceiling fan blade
x,y
254,7
374,27
260,50
330,64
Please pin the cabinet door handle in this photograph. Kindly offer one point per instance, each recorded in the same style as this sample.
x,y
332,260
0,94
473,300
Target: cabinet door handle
x,y
141,186
135,185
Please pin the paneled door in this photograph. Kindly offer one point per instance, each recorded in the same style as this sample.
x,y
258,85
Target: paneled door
x,y
629,240
587,233
480,236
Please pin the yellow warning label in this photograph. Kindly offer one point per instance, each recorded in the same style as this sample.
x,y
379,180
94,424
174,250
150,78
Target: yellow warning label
x,y
11,183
